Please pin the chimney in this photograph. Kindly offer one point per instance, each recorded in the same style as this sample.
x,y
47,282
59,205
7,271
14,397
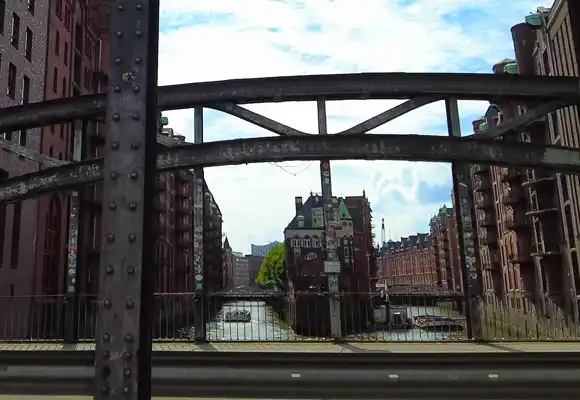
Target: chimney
x,y
298,203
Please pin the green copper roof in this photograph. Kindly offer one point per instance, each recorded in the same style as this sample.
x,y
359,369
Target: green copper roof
x,y
343,211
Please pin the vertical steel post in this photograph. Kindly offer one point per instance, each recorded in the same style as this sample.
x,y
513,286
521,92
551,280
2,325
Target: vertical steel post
x,y
470,273
331,261
123,351
72,300
200,311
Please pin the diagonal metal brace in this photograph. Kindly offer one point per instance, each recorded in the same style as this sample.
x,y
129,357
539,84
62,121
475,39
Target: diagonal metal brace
x,y
521,120
389,115
30,154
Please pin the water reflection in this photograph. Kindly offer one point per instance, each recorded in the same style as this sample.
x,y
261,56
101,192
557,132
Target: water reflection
x,y
266,325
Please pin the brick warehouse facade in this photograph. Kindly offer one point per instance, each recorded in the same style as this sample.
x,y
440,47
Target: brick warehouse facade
x,y
305,266
425,260
528,218
53,49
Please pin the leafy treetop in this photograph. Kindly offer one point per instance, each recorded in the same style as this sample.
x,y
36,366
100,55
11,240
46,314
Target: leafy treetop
x,y
273,270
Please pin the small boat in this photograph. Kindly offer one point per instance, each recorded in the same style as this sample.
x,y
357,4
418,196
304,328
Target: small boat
x,y
238,316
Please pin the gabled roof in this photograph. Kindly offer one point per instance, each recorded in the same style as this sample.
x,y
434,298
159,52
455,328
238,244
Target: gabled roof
x,y
313,201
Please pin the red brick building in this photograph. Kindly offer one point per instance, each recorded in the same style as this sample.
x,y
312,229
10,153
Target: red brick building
x,y
407,263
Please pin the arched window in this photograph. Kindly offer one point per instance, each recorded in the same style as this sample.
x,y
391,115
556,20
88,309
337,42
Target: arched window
x,y
52,247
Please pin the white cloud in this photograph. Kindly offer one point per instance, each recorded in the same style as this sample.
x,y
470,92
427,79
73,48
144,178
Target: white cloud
x,y
223,39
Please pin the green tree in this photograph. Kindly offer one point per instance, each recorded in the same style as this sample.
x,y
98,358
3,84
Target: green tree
x,y
273,270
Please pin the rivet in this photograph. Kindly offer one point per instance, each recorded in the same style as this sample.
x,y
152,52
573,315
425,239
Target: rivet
x,y
127,355
138,33
119,34
134,145
113,175
130,270
106,337
132,205
134,175
126,390
137,60
115,145
135,116
105,390
128,338
118,61
120,7
132,237
127,372
129,304
116,117
111,237
112,206
117,89
107,303
139,7
136,88
109,269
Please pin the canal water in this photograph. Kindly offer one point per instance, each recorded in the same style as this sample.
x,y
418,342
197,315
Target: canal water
x,y
265,325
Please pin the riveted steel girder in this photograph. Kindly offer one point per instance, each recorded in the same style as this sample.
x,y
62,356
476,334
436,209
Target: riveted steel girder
x,y
123,342
290,148
308,88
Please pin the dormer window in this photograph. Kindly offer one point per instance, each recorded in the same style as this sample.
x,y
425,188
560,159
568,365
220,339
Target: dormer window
x,y
300,221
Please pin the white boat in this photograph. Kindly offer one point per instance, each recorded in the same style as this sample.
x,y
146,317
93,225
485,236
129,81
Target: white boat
x,y
238,316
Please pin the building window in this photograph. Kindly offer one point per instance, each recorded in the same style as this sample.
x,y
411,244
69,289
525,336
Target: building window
x,y
25,93
306,242
15,247
63,86
31,4
296,242
67,18
15,36
2,13
316,242
55,80
28,45
65,53
22,138
11,89
57,43
58,10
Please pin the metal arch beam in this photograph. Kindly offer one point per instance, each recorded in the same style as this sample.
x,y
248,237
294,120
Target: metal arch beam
x,y
389,115
311,147
521,120
307,88
29,154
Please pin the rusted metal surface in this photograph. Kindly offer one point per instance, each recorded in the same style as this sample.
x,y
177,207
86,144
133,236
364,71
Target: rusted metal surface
x,y
470,271
521,120
389,115
308,88
30,154
311,147
198,234
123,343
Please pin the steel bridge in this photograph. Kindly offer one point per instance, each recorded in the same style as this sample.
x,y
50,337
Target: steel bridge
x,y
123,364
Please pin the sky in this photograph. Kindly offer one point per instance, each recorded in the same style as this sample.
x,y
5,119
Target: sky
x,y
228,39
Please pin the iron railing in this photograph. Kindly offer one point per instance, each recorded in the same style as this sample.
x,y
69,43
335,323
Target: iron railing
x,y
254,317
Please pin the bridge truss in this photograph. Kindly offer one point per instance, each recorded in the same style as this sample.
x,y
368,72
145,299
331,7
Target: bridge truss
x,y
134,152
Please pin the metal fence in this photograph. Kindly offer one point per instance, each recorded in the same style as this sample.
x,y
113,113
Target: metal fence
x,y
290,317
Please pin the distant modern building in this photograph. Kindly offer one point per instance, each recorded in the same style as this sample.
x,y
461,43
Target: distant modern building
x,y
240,267
264,249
